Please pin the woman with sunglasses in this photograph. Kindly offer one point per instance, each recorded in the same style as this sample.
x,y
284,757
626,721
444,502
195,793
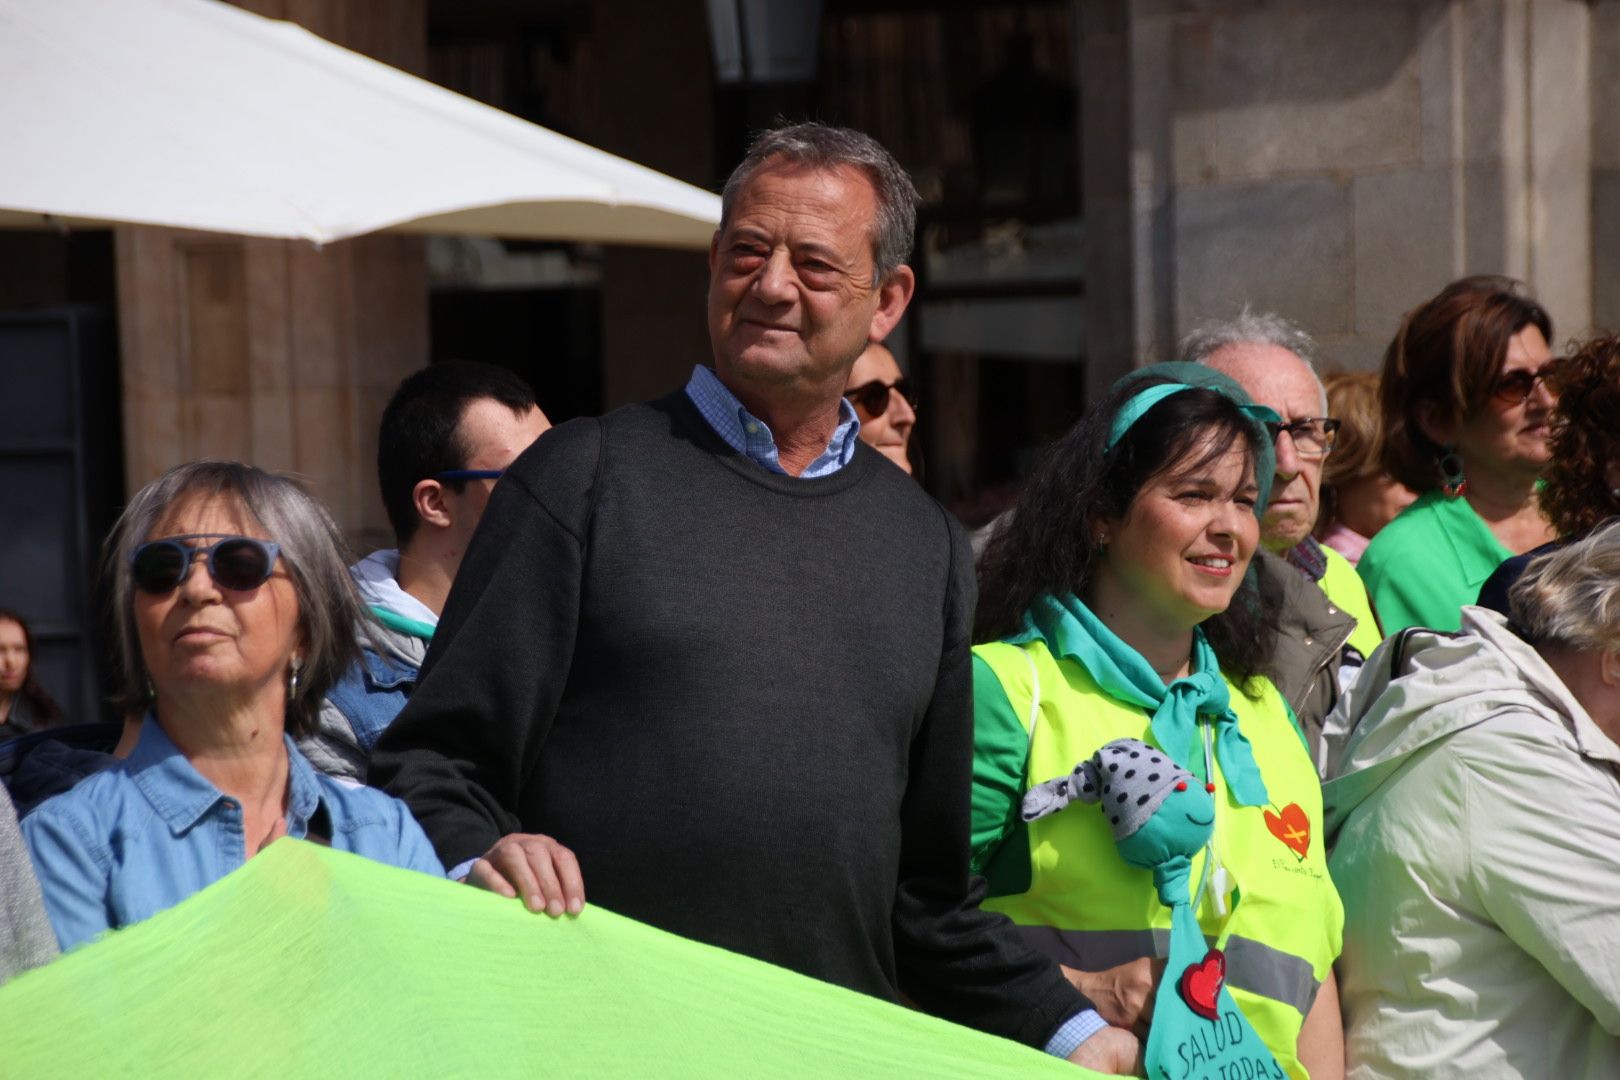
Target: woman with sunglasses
x,y
884,403
234,614
1118,602
1466,406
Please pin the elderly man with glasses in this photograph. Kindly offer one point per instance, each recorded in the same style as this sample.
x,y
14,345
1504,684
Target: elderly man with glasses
x,y
1328,626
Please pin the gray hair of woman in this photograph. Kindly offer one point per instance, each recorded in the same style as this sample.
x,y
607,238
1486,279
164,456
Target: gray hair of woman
x,y
311,548
1571,596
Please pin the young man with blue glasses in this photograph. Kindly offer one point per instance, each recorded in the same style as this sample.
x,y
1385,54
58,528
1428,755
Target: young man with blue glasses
x,y
447,435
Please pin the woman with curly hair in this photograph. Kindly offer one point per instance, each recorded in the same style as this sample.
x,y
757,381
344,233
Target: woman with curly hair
x,y
1117,602
1581,488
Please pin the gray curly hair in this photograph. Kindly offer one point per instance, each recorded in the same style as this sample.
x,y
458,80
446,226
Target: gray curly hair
x,y
822,146
312,550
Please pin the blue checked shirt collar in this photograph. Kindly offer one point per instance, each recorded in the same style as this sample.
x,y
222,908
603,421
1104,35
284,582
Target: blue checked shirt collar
x,y
751,436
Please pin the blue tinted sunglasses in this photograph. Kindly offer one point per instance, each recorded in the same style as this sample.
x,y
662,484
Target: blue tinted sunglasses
x,y
238,563
468,474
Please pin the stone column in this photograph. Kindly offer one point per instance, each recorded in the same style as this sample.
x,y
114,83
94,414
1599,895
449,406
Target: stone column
x,y
657,109
1605,175
274,352
1339,163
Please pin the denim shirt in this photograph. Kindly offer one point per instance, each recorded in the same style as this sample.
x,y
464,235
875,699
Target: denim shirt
x,y
148,832
370,694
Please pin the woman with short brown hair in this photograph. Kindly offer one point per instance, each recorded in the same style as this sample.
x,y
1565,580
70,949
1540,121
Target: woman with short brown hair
x,y
1466,410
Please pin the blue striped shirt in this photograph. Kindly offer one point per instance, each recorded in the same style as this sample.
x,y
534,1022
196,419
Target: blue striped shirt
x,y
749,435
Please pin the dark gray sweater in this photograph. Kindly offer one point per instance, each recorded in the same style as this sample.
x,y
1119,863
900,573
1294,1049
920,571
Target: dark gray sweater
x,y
742,699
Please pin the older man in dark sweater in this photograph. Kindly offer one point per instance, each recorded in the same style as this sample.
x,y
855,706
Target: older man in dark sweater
x,y
717,648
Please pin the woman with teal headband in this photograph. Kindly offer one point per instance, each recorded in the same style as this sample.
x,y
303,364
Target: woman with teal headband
x,y
1117,604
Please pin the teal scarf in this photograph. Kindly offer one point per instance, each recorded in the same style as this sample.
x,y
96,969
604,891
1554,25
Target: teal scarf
x,y
1070,629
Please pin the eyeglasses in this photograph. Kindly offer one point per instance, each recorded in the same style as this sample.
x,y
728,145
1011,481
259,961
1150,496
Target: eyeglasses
x,y
1515,387
1313,435
468,474
873,398
238,563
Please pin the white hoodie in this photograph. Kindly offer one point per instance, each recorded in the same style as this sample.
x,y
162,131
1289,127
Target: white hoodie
x,y
1473,818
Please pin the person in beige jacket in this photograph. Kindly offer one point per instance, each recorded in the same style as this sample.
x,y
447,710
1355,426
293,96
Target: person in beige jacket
x,y
1473,818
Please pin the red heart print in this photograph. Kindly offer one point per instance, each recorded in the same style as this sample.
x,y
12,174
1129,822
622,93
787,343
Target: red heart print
x,y
1201,984
1292,827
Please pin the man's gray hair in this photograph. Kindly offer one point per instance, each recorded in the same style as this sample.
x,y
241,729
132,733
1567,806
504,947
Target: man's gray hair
x,y
1571,596
311,548
822,146
1251,328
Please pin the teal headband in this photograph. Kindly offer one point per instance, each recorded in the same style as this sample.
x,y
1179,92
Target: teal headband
x,y
1200,377
1134,409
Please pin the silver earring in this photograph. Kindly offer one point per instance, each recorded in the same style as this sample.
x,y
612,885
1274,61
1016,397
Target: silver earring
x,y
292,679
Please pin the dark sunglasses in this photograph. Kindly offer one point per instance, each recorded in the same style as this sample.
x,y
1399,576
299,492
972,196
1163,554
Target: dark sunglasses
x,y
1515,387
873,398
238,563
1313,436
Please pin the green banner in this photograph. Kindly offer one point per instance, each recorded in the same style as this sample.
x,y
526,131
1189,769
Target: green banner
x,y
311,962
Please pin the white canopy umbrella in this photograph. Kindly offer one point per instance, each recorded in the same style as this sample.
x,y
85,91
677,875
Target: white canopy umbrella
x,y
199,115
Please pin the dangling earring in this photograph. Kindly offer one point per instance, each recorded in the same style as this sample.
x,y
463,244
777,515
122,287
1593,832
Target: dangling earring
x,y
292,679
1453,480
146,685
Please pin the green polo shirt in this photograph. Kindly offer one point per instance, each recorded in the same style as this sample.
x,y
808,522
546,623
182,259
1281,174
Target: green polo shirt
x,y
1425,565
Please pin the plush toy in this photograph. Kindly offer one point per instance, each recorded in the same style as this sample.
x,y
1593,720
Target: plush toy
x,y
1161,816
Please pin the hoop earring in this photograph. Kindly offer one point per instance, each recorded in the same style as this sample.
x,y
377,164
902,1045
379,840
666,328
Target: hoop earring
x,y
1453,478
292,678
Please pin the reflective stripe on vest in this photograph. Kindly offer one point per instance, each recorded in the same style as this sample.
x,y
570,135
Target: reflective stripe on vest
x,y
1085,906
1250,965
1342,586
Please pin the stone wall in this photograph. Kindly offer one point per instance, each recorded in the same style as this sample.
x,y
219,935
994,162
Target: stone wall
x,y
271,351
1340,162
1605,81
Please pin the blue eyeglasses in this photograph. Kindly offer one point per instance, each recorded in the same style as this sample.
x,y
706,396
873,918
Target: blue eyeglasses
x,y
468,474
238,563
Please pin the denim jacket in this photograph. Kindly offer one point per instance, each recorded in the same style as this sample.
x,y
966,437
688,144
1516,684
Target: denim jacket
x,y
148,832
364,701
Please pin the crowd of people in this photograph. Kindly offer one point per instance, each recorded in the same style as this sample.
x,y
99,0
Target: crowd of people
x,y
1273,731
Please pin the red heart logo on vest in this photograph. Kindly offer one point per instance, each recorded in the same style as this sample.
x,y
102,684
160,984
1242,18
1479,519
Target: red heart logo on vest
x,y
1201,984
1292,827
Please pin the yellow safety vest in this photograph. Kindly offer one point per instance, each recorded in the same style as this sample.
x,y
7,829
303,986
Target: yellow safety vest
x,y
1088,908
1343,588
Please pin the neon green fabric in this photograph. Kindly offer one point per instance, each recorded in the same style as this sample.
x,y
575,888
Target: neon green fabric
x,y
311,962
1425,565
1343,587
1124,675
